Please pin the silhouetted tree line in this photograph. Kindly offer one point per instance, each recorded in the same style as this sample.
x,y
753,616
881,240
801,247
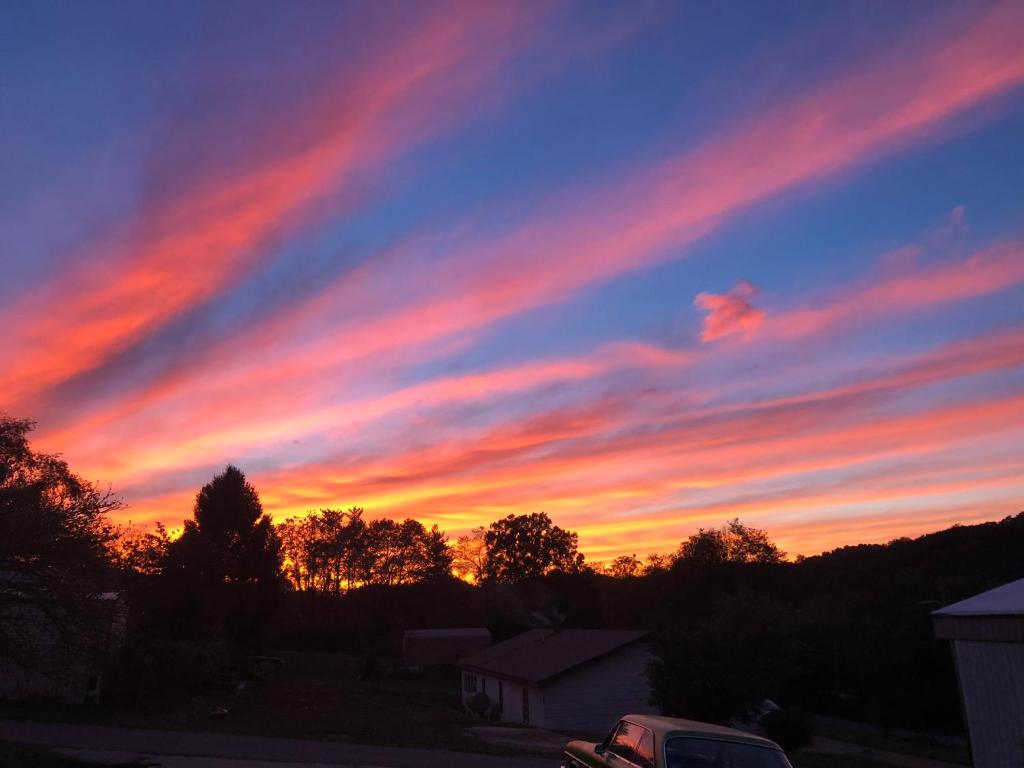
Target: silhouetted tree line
x,y
54,551
334,552
847,632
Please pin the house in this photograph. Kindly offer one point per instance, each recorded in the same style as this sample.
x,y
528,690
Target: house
x,y
573,679
45,654
437,647
987,633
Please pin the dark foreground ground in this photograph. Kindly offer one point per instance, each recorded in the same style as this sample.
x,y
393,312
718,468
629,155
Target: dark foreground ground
x,y
420,712
28,744
320,711
176,748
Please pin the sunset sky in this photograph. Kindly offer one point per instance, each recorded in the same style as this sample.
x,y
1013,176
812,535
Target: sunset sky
x,y
643,266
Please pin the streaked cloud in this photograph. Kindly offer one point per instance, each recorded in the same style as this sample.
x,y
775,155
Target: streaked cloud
x,y
428,375
908,288
211,231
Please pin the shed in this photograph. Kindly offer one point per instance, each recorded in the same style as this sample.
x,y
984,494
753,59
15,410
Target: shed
x,y
574,679
987,634
438,647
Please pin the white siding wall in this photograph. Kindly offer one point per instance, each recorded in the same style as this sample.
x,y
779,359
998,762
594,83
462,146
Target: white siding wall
x,y
512,699
493,689
593,697
467,694
538,708
992,679
512,702
512,706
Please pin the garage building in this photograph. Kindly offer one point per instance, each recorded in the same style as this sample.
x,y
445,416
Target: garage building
x,y
987,633
573,679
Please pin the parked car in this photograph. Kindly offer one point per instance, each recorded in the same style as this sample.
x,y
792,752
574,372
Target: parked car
x,y
648,741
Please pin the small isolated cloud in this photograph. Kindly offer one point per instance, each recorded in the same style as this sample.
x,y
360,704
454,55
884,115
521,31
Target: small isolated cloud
x,y
730,312
956,224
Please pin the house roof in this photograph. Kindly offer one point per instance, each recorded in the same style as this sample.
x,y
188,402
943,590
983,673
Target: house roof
x,y
542,654
432,634
1007,600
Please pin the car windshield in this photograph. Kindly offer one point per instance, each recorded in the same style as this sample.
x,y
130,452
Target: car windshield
x,y
687,752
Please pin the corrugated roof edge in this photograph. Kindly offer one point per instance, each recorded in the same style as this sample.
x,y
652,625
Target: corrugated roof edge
x,y
1005,600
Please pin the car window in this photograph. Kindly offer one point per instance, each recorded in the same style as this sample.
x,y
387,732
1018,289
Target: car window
x,y
684,752
645,749
624,741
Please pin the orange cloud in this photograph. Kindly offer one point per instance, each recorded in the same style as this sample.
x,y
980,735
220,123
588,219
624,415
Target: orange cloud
x,y
248,420
602,482
609,457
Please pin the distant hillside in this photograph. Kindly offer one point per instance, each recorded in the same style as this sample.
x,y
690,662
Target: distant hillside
x,y
866,617
847,633
943,567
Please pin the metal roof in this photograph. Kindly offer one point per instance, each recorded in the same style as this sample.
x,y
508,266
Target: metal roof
x,y
448,633
1007,600
542,654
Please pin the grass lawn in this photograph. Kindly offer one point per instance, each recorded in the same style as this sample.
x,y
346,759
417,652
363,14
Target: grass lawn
x,y
316,701
415,712
407,711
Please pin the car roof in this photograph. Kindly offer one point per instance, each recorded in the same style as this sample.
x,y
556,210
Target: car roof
x,y
668,727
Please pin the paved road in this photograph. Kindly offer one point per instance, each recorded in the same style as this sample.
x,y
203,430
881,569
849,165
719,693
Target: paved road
x,y
173,749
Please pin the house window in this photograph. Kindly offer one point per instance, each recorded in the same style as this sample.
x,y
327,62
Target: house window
x,y
526,706
469,682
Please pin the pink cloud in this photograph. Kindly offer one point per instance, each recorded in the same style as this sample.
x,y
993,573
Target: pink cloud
x,y
200,241
904,288
596,233
730,313
590,234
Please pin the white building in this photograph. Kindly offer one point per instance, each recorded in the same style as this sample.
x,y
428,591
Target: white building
x,y
574,679
987,633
